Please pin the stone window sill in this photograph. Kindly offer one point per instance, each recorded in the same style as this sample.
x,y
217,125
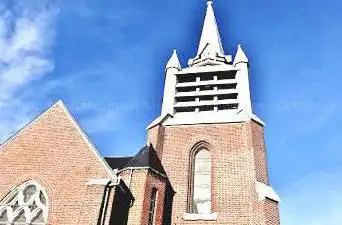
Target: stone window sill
x,y
197,216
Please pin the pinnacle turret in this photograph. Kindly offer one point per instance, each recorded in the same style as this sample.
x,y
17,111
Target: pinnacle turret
x,y
240,56
173,62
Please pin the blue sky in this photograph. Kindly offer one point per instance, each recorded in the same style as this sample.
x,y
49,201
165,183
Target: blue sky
x,y
86,52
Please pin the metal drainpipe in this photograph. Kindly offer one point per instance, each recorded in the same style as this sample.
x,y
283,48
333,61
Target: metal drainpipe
x,y
104,204
130,179
106,195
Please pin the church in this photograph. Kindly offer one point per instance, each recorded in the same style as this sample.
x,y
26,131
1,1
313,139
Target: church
x,y
204,162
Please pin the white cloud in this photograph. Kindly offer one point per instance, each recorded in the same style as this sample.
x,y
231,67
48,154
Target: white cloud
x,y
26,38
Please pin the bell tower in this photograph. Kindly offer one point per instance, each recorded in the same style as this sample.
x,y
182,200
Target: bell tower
x,y
212,89
210,142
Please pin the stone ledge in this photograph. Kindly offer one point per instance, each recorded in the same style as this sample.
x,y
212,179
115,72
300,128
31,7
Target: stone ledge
x,y
264,191
196,216
101,182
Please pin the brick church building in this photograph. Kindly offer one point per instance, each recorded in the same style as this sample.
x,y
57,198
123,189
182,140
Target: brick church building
x,y
204,162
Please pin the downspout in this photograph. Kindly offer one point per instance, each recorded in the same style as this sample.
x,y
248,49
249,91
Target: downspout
x,y
104,205
130,178
129,181
105,200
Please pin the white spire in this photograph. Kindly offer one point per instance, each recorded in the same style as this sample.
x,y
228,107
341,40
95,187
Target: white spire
x,y
210,33
240,56
173,61
210,50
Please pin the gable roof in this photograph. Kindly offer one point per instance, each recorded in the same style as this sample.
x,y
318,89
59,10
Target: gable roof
x,y
145,158
61,108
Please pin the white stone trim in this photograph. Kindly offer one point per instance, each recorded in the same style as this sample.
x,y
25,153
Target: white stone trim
x,y
158,121
16,198
197,216
207,69
257,119
264,191
191,118
212,117
252,116
101,182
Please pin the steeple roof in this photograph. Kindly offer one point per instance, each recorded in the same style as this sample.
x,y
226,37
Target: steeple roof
x,y
210,50
240,56
210,34
174,61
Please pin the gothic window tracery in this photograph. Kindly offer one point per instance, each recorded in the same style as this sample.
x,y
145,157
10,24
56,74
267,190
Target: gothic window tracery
x,y
25,205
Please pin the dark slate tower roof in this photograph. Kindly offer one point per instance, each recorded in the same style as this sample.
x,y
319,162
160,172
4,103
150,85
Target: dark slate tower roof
x,y
118,162
146,157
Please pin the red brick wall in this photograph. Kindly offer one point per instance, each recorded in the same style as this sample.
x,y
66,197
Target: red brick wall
x,y
154,181
260,157
92,204
271,212
236,165
137,185
53,152
141,186
155,137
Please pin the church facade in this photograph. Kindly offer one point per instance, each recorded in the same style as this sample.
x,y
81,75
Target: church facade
x,y
204,163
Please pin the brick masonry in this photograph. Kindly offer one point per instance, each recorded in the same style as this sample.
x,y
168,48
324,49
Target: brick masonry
x,y
271,212
141,183
53,151
238,161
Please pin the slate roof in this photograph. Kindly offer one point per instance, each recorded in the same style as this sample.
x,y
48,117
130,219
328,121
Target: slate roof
x,y
117,162
146,157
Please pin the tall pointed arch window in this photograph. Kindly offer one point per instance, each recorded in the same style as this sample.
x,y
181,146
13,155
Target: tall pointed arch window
x,y
27,204
200,196
152,207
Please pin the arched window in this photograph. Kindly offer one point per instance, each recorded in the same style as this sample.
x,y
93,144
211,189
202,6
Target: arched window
x,y
200,196
152,209
27,204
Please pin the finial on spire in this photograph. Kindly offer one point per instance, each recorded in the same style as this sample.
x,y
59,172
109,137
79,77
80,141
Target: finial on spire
x,y
174,61
209,2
